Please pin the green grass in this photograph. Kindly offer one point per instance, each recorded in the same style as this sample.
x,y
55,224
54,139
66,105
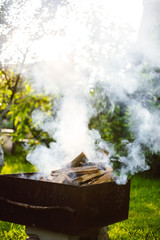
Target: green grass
x,y
11,231
14,164
144,212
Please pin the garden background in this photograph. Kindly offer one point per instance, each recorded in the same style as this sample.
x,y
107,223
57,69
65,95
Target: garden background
x,y
19,134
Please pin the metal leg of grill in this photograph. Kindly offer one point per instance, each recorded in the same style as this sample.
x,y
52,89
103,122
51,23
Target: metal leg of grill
x,y
33,237
103,233
100,234
39,234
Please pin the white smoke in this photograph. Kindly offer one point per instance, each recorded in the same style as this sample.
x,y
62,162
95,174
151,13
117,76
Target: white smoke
x,y
146,125
93,52
87,44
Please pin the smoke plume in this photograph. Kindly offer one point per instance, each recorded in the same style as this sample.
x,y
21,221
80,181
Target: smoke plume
x,y
77,46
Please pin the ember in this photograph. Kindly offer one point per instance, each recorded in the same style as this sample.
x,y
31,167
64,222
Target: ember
x,y
82,172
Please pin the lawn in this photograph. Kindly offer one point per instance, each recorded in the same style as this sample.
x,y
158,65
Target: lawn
x,y
144,212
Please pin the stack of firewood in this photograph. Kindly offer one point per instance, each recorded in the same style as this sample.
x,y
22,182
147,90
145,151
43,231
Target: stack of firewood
x,y
81,172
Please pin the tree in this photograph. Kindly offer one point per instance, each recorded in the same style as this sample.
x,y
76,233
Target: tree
x,y
8,86
18,101
22,25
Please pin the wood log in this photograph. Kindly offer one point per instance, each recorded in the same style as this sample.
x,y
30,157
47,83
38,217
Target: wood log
x,y
80,160
85,169
91,174
107,177
43,179
81,171
104,151
87,177
62,178
76,170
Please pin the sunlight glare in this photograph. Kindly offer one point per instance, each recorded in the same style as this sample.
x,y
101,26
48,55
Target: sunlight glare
x,y
77,26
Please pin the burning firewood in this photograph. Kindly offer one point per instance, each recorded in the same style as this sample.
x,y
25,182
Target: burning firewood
x,y
85,169
80,160
77,170
87,177
62,178
107,177
81,171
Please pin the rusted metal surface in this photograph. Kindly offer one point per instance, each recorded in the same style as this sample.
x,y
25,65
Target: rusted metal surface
x,y
60,207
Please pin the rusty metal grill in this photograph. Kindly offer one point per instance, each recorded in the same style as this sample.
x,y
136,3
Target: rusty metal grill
x,y
60,207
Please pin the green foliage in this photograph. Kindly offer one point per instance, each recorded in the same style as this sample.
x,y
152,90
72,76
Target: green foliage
x,y
113,127
112,122
18,100
153,102
7,85
21,111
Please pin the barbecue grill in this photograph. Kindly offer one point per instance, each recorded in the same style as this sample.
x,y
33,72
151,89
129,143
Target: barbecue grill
x,y
63,208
